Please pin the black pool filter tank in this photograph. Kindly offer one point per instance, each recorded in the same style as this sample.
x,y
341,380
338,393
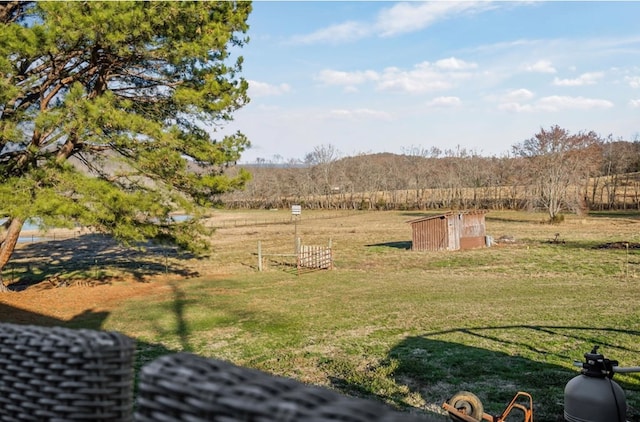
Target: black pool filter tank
x,y
593,396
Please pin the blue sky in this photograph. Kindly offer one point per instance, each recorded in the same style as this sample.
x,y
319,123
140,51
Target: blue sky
x,y
374,76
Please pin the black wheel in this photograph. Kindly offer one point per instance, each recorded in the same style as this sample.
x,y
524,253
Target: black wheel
x,y
467,404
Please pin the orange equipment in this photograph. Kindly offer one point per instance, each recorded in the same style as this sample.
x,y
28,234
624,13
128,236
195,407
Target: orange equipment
x,y
466,407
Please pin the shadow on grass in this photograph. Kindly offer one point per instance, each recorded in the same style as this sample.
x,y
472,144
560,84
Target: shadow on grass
x,y
630,214
562,243
438,368
87,319
515,220
90,256
438,364
402,244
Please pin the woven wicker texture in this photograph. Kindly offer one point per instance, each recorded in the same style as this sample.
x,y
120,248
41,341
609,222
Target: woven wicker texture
x,y
60,374
187,387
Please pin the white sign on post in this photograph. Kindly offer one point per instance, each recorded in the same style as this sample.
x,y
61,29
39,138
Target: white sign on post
x,y
296,209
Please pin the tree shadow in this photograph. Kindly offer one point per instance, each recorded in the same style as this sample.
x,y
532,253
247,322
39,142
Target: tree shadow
x,y
87,319
91,256
178,308
438,364
437,368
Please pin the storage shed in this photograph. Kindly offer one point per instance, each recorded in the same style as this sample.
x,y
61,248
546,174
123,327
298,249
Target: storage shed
x,y
449,232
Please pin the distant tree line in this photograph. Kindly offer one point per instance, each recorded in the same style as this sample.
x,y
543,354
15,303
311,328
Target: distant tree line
x,y
554,171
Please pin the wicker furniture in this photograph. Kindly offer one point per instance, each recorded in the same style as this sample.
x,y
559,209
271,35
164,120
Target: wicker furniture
x,y
59,374
187,387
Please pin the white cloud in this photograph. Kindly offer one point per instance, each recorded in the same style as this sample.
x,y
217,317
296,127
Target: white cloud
x,y
410,16
399,19
584,79
518,95
263,89
541,66
515,107
556,103
634,81
423,77
344,32
360,114
455,64
336,77
634,103
445,102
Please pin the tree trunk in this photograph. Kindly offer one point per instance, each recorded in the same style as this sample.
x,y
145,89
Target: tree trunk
x,y
8,245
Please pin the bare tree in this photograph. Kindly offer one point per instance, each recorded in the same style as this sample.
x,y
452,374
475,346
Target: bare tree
x,y
321,161
559,165
418,162
619,159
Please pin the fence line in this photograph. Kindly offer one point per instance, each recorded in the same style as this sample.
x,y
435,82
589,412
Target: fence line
x,y
244,222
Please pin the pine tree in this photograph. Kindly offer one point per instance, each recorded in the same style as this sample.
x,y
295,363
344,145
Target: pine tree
x,y
108,111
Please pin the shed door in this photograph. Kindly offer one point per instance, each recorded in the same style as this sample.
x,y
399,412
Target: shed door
x,y
454,229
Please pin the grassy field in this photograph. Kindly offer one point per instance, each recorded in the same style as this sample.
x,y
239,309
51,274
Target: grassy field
x,y
409,328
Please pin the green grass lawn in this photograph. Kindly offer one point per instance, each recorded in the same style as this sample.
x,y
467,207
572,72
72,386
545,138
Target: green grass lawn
x,y
411,328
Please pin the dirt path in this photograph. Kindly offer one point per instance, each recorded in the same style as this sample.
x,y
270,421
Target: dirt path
x,y
41,304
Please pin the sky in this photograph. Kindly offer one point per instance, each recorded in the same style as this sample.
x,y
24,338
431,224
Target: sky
x,y
368,77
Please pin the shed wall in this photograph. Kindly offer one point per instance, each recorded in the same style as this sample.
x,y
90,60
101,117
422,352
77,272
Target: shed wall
x,y
430,235
455,228
473,231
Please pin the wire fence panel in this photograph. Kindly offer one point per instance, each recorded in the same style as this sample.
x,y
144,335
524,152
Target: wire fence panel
x,y
319,257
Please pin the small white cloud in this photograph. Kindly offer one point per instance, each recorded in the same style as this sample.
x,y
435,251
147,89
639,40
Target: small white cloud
x,y
415,81
344,32
541,66
634,103
360,114
263,89
515,107
556,103
445,102
336,77
518,95
455,64
424,77
584,79
633,81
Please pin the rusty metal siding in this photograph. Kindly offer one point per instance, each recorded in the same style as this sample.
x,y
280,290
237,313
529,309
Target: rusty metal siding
x,y
473,231
472,242
473,225
430,234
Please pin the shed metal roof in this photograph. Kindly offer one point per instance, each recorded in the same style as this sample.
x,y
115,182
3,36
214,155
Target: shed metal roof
x,y
447,214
